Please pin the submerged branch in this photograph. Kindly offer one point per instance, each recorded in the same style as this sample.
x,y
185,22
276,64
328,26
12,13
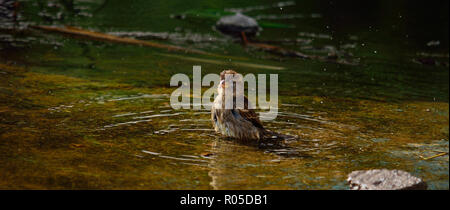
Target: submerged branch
x,y
434,156
111,38
332,58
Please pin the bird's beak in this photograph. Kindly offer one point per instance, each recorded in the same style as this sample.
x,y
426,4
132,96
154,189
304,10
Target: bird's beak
x,y
222,84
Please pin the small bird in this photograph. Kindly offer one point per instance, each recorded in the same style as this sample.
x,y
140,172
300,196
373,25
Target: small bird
x,y
240,123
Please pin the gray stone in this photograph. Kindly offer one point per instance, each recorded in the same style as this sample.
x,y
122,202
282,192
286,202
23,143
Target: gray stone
x,y
235,24
383,179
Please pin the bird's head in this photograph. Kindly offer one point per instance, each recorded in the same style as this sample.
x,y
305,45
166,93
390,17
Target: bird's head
x,y
231,85
233,76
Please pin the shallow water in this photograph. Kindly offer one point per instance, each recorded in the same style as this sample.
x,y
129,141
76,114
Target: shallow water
x,y
83,114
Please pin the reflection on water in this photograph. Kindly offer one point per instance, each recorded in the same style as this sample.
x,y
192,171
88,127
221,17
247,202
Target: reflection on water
x,y
83,114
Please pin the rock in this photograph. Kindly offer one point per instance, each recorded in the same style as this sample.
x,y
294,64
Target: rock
x,y
383,179
235,24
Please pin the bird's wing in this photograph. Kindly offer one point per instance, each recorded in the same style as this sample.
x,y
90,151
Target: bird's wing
x,y
250,114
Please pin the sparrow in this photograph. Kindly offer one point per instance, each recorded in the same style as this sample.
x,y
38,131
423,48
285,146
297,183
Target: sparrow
x,y
238,122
